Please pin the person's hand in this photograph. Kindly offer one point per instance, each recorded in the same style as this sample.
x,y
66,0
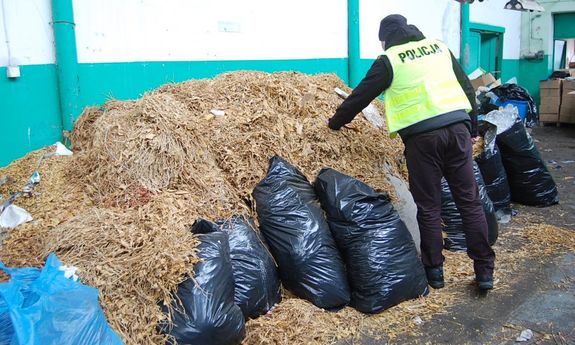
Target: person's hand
x,y
327,124
475,139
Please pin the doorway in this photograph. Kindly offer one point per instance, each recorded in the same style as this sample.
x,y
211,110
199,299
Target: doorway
x,y
486,48
564,36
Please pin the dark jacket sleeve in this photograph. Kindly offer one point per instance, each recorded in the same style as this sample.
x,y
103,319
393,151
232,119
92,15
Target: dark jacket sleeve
x,y
469,92
377,79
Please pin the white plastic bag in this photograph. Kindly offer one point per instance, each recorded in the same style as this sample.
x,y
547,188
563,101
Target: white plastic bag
x,y
12,216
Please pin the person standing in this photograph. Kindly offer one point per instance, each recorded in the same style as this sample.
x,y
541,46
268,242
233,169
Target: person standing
x,y
430,103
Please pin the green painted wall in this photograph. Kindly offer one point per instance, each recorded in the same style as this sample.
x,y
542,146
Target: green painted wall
x,y
531,72
564,25
363,67
99,82
509,69
29,111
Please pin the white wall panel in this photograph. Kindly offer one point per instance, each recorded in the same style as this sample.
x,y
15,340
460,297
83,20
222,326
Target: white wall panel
x,y
30,32
491,12
439,19
173,30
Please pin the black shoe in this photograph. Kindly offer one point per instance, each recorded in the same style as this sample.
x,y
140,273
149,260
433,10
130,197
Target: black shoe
x,y
484,282
435,277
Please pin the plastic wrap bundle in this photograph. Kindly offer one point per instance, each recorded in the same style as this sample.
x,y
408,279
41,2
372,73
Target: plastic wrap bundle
x,y
529,180
508,92
46,306
293,224
257,286
452,221
204,312
382,262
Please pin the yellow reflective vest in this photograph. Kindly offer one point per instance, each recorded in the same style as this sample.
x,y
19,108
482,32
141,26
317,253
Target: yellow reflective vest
x,y
423,86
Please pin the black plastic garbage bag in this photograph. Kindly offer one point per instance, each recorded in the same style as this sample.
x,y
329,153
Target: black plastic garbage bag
x,y
507,92
294,226
529,180
452,221
492,170
485,103
382,263
257,285
205,313
495,178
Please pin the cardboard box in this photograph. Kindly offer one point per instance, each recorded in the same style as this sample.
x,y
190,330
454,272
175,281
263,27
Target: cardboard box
x,y
568,84
550,84
486,79
567,112
550,88
548,118
550,91
550,105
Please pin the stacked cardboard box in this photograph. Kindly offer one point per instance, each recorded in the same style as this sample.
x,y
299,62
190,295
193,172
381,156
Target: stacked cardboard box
x,y
486,80
567,112
550,100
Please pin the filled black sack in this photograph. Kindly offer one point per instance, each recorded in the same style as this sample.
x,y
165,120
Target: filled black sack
x,y
382,263
294,227
452,221
203,312
495,178
257,285
508,92
529,180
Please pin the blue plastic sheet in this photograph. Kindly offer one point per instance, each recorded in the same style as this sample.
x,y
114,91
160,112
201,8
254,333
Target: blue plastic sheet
x,y
44,307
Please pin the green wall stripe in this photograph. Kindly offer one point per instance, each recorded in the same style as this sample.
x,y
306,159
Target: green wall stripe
x,y
30,108
31,101
509,69
99,82
29,111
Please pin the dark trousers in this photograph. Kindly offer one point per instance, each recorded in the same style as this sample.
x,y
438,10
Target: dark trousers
x,y
447,152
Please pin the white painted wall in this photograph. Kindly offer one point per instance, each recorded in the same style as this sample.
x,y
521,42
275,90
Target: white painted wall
x,y
538,27
181,30
438,19
30,35
491,12
175,30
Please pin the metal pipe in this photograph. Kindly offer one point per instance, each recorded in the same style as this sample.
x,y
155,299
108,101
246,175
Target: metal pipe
x,y
66,61
353,46
464,50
